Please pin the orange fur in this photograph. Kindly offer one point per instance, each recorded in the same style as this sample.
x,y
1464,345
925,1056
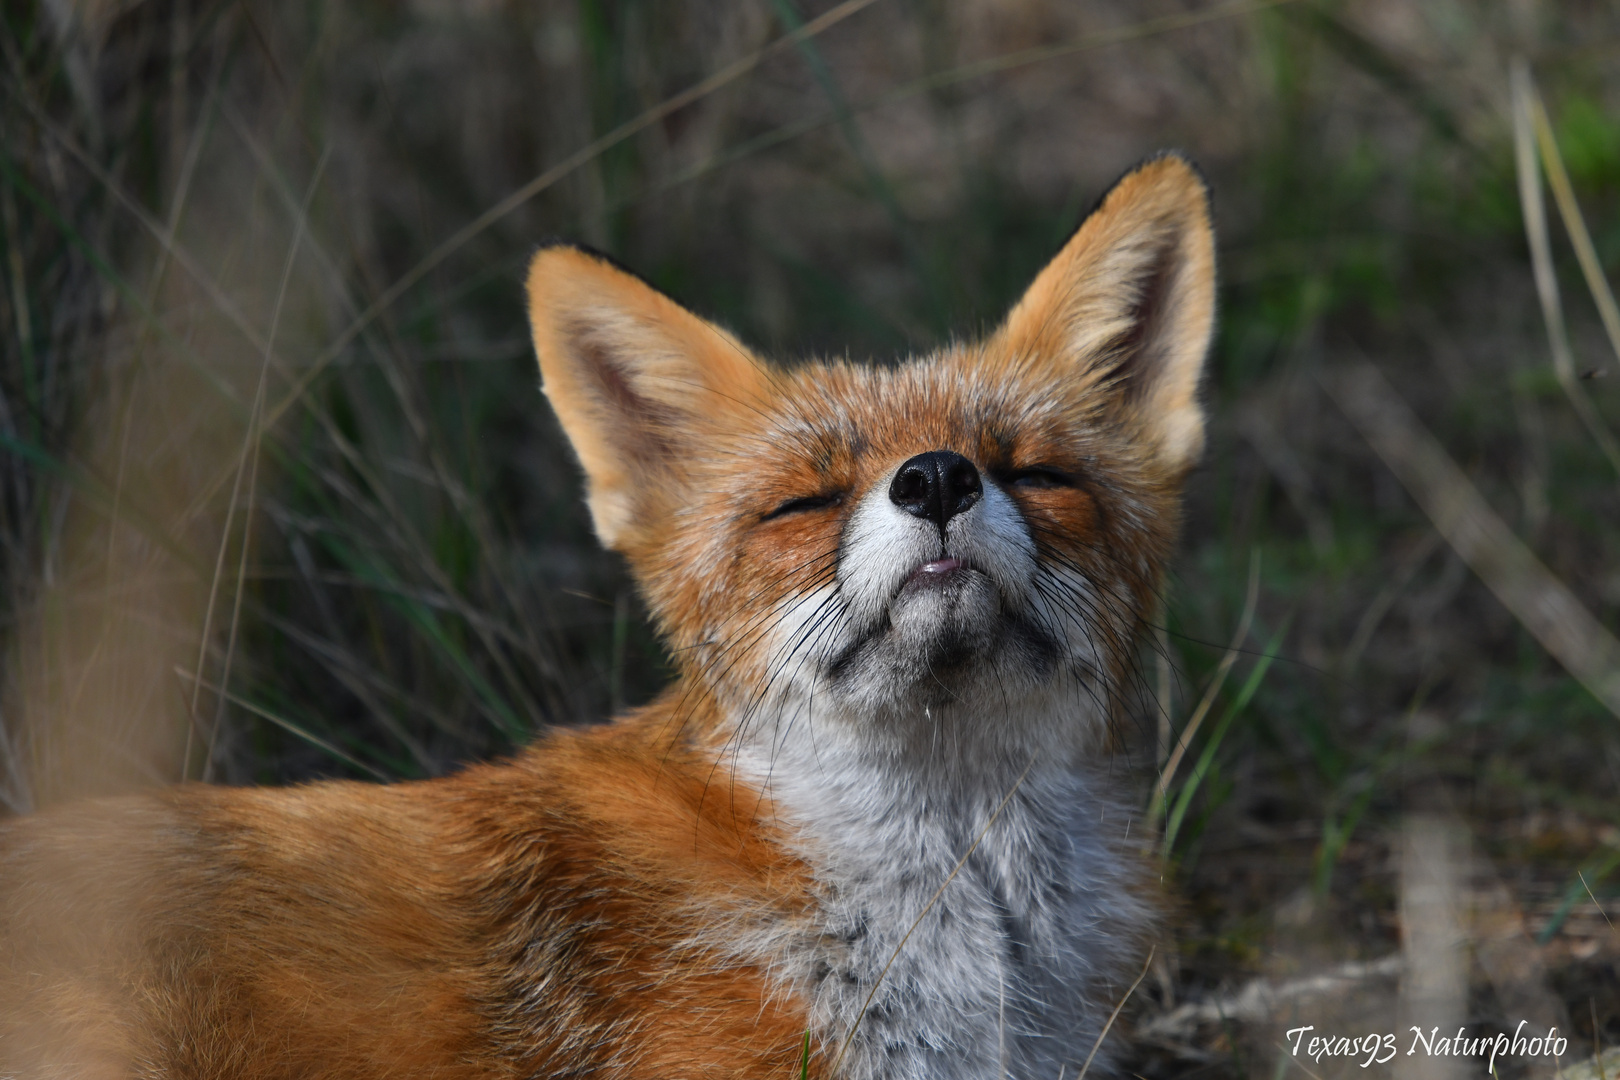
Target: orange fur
x,y
620,901
353,930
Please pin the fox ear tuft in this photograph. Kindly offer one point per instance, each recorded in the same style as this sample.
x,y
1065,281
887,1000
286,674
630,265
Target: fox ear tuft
x,y
1128,305
640,384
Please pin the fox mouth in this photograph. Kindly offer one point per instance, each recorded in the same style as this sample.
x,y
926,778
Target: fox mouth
x,y
945,615
929,610
928,606
943,572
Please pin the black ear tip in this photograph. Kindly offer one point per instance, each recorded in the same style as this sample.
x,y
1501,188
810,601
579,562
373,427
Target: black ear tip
x,y
548,242
553,241
1181,156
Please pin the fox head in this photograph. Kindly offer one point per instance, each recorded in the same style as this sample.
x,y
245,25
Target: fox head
x,y
956,550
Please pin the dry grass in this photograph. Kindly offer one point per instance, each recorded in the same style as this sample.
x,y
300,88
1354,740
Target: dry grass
x,y
279,497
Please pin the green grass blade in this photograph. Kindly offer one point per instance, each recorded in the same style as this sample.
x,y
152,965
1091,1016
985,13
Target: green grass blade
x,y
1190,786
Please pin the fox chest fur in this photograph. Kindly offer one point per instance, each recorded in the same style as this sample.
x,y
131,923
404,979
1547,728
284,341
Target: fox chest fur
x,y
1010,969
865,834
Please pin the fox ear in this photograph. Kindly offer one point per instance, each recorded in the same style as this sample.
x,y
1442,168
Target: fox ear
x,y
640,384
1128,306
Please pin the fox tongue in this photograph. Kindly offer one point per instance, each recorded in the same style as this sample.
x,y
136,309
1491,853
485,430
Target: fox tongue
x,y
936,570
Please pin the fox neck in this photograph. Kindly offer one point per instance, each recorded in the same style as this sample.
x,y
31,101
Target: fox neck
x,y
963,877
961,751
944,769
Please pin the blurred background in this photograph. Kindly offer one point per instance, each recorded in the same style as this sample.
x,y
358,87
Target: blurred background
x,y
279,497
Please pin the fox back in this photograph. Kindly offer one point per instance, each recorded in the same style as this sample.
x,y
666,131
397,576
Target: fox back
x,y
863,834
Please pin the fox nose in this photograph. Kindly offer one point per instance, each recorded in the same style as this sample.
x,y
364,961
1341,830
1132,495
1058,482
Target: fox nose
x,y
937,485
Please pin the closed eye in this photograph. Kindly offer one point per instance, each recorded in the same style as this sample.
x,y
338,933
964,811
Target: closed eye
x,y
805,504
1037,477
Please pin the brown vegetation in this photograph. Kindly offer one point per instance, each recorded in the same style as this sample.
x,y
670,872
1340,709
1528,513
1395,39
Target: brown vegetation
x,y
278,498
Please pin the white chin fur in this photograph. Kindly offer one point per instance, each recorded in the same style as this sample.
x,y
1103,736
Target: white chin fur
x,y
934,641
875,644
883,545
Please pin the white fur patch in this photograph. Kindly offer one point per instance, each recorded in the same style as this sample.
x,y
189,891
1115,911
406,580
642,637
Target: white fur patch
x,y
883,544
884,786
1013,969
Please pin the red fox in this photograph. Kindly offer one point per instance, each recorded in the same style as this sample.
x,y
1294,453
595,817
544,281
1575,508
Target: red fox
x,y
862,835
